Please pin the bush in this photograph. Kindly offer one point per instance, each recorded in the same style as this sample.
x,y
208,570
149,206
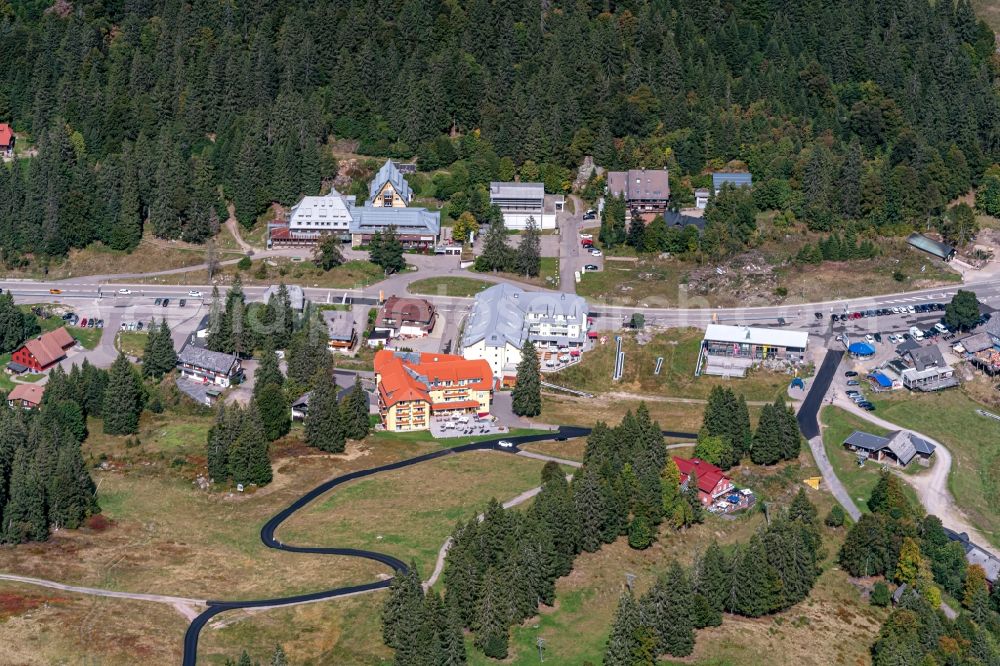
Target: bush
x,y
899,276
836,517
880,595
243,264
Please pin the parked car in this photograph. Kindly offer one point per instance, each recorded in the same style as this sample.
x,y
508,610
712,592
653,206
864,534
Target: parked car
x,y
590,216
835,317
124,292
67,316
850,373
166,302
194,293
506,443
181,303
138,326
92,323
940,327
878,337
83,323
867,406
100,323
869,338
818,315
853,382
910,309
595,252
592,267
158,301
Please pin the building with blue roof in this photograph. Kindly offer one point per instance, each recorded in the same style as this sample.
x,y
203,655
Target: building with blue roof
x,y
736,179
389,189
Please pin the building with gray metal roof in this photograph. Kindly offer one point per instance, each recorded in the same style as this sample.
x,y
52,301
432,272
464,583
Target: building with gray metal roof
x,y
935,248
900,446
736,179
504,316
389,188
417,227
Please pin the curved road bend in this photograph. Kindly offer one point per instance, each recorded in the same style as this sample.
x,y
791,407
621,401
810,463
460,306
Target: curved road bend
x,y
267,533
808,419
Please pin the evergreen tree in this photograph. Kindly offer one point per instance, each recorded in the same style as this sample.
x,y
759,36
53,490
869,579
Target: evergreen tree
x,y
324,422
24,516
158,357
387,252
221,438
963,310
527,395
667,609
327,253
402,607
272,405
496,254
625,642
279,658
528,258
355,412
493,615
248,456
123,399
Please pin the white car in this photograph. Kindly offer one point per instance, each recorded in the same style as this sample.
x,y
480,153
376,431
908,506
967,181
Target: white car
x,y
587,236
194,293
595,252
869,338
506,443
124,292
895,311
910,309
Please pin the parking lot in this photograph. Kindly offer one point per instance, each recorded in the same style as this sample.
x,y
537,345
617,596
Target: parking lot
x,y
466,425
897,324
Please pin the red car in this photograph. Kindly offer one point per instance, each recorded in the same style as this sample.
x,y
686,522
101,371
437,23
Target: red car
x,y
587,243
83,323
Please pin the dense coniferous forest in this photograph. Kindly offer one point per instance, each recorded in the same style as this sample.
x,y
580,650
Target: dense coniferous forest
x,y
156,113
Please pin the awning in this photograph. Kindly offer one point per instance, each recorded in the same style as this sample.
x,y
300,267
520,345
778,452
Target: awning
x,y
881,379
861,349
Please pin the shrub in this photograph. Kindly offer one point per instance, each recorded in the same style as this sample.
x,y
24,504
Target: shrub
x,y
243,264
880,595
836,517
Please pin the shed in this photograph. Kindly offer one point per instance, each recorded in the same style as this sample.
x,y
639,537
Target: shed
x,y
881,380
938,249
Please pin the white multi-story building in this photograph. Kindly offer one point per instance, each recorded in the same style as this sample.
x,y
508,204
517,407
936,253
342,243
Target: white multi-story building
x,y
519,201
313,217
503,316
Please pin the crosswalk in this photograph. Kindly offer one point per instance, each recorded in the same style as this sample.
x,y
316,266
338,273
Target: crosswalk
x,y
923,297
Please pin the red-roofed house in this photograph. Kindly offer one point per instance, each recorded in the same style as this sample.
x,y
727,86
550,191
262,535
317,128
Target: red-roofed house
x,y
44,351
413,386
712,481
7,139
27,396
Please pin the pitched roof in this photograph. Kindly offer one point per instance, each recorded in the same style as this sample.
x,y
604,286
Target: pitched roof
x,y
6,134
866,441
757,336
30,392
640,184
408,221
902,447
50,347
401,309
206,359
931,246
333,207
708,474
409,376
499,314
927,357
977,343
736,178
389,174
902,443
339,325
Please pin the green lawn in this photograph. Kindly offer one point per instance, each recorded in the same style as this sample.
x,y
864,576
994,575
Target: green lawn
x,y
380,513
88,337
859,481
132,342
449,286
950,417
679,349
30,377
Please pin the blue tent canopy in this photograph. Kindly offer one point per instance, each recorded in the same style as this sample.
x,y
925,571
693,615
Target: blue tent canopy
x,y
798,383
861,349
882,380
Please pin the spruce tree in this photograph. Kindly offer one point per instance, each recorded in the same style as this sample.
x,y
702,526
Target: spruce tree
x,y
268,371
496,254
221,437
355,412
624,642
527,394
493,615
123,399
248,455
272,405
24,517
279,658
766,448
324,426
667,609
755,586
403,604
528,258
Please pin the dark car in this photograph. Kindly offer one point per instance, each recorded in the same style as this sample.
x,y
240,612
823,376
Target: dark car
x,y
138,326
867,406
589,216
181,303
878,337
850,373
592,267
158,301
91,323
166,302
83,323
100,323
818,315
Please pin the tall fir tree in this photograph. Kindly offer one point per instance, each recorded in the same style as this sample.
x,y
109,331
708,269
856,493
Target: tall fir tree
x,y
355,412
324,423
527,395
123,399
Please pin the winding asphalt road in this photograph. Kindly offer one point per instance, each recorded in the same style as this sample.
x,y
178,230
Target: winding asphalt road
x,y
397,565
